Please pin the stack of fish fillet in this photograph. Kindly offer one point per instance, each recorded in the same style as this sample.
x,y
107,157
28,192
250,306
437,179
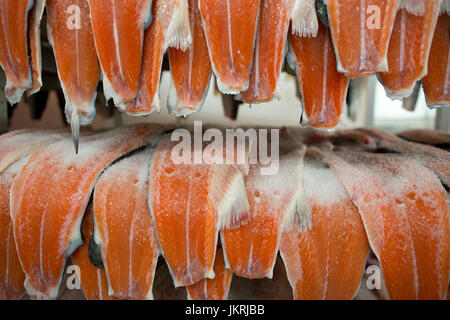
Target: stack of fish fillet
x,y
243,42
124,200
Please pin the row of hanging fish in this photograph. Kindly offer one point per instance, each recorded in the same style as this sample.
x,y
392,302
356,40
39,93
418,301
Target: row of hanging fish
x,y
242,42
123,201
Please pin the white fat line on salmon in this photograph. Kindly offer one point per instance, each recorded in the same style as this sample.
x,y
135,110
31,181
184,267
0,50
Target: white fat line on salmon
x,y
363,53
238,151
402,40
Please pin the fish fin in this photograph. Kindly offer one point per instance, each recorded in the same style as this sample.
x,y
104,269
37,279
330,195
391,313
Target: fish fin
x,y
179,31
415,7
304,18
229,196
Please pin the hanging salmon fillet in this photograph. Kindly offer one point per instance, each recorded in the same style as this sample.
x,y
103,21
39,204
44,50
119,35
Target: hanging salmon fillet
x,y
124,228
118,27
17,144
406,215
70,34
436,84
49,197
409,49
274,18
323,89
251,249
34,39
213,289
361,30
169,28
230,29
14,47
93,280
190,69
327,261
190,203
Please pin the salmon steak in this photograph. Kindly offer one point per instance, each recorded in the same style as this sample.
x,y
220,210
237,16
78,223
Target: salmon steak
x,y
14,47
436,84
70,34
93,280
213,289
190,204
124,228
230,28
326,261
118,28
169,27
268,56
409,49
323,89
251,249
190,69
49,197
405,212
361,30
34,42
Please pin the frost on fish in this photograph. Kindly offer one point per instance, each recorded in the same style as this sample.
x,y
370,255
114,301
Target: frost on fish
x,y
409,50
436,84
276,203
14,48
118,29
17,144
230,29
93,280
34,41
435,159
48,211
326,261
190,203
323,89
126,234
190,70
361,30
268,56
406,216
304,18
436,138
76,60
11,275
169,27
213,289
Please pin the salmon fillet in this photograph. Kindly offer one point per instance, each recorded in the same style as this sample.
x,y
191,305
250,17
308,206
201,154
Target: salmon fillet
x,y
323,89
213,289
93,280
50,195
190,203
14,47
169,27
436,84
409,48
34,42
327,261
268,56
70,34
230,29
124,228
361,30
118,27
251,249
190,69
405,212
426,136
17,144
